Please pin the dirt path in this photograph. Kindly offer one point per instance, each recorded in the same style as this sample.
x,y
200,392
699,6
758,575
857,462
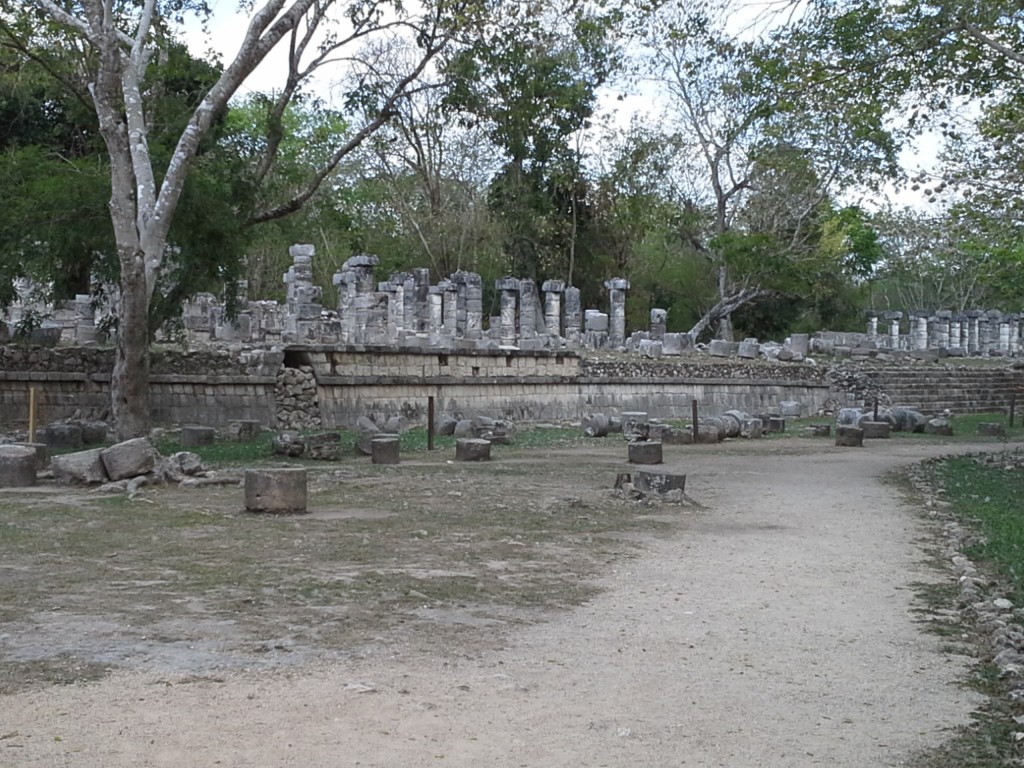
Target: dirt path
x,y
776,630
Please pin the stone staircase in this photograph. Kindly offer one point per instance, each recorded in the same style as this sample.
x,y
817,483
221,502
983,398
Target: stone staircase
x,y
961,389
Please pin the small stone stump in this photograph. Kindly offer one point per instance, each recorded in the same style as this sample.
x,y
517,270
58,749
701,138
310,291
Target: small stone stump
x,y
384,450
939,427
849,437
991,429
645,452
658,482
472,449
874,430
775,424
192,437
276,491
17,466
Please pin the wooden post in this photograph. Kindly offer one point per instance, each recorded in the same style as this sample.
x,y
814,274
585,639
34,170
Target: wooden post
x,y
430,423
696,428
32,415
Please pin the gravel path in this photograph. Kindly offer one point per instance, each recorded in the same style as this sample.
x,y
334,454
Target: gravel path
x,y
776,630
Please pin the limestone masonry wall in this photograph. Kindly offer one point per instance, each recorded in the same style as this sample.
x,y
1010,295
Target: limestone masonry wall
x,y
317,385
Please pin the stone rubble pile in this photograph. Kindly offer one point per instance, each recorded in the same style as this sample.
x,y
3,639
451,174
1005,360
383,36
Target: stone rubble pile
x,y
131,464
295,399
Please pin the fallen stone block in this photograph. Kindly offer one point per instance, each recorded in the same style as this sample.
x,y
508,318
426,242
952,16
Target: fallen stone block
x,y
445,426
472,449
17,466
849,437
775,424
464,428
658,482
130,458
79,468
941,427
288,444
276,491
875,430
820,430
63,435
595,425
384,450
95,432
751,428
645,452
323,446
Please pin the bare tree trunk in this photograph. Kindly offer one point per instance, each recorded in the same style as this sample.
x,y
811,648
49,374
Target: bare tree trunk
x,y
724,320
129,383
725,307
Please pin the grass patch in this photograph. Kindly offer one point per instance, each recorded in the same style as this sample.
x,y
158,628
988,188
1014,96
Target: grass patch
x,y
985,495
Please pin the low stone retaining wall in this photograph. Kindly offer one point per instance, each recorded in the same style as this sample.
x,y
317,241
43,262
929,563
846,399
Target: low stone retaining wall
x,y
215,389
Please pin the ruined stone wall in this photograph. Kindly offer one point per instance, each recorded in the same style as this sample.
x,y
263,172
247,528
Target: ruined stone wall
x,y
213,388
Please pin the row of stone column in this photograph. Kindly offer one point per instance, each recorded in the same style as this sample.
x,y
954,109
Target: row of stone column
x,y
975,333
407,305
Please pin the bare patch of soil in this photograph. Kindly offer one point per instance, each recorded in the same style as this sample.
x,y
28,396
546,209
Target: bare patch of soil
x,y
510,614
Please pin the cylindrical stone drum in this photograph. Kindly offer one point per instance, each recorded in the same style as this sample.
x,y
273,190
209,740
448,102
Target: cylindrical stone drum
x,y
17,466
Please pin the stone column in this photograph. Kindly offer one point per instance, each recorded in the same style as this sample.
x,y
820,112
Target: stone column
x,y
940,328
449,306
872,326
659,321
303,307
984,342
527,309
509,287
894,329
553,306
617,288
470,309
1004,338
954,332
573,315
421,278
409,308
973,341
919,338
85,319
435,306
395,309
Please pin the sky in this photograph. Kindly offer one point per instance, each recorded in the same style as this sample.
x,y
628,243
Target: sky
x,y
226,29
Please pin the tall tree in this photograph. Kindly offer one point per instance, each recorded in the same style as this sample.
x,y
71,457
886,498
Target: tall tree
x,y
119,43
752,149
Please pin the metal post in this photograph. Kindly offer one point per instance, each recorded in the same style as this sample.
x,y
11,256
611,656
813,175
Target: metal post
x,y
32,415
430,423
696,429
875,416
